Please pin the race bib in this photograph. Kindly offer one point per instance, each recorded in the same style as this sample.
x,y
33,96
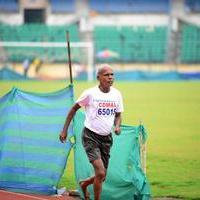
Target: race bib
x,y
106,108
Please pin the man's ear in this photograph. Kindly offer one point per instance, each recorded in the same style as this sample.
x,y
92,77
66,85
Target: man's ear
x,y
97,77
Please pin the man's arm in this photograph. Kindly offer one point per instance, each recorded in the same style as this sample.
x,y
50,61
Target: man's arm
x,y
117,123
63,134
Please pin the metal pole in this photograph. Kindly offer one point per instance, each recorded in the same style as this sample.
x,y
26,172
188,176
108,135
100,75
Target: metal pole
x,y
69,57
143,151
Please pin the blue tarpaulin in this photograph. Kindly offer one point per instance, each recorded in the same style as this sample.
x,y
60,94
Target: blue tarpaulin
x,y
8,74
32,159
139,75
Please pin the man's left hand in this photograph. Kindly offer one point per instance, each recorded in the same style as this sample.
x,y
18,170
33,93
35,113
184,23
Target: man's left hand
x,y
117,130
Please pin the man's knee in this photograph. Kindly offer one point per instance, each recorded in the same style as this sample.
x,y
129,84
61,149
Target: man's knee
x,y
100,172
100,175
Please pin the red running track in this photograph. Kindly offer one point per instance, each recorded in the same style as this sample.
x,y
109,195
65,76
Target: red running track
x,y
6,195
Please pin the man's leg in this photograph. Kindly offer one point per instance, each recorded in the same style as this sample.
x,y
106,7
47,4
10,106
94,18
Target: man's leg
x,y
84,184
100,174
96,180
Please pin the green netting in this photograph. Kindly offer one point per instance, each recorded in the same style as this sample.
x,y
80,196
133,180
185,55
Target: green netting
x,y
125,178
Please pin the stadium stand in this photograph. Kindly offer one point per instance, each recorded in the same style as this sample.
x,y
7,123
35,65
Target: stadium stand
x,y
190,49
9,6
131,42
127,6
62,6
37,33
143,44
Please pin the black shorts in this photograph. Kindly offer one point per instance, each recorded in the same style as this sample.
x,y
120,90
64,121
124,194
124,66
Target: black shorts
x,y
97,146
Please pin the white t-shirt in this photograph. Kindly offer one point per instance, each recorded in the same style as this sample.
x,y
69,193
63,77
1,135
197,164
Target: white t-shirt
x,y
100,109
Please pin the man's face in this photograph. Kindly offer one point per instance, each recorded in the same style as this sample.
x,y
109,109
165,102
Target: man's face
x,y
106,78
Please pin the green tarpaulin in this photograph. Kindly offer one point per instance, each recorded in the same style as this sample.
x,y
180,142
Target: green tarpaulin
x,y
125,178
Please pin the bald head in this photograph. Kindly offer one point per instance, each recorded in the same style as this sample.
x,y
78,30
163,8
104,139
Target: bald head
x,y
102,68
105,77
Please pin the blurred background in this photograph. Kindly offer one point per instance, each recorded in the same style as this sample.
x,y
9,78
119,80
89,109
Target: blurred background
x,y
139,36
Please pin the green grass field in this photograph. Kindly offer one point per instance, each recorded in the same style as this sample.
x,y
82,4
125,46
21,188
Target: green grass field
x,y
170,112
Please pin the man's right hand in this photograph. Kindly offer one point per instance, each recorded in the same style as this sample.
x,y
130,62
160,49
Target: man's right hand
x,y
63,136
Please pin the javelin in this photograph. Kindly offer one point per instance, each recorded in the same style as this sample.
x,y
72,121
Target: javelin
x,y
69,57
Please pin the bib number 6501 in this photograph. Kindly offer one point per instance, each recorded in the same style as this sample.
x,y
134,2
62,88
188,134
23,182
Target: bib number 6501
x,y
106,111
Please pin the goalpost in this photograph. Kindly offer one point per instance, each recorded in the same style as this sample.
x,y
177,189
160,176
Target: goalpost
x,y
49,52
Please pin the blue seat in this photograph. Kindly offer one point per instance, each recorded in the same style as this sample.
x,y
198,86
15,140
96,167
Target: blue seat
x,y
126,6
61,6
193,5
9,5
